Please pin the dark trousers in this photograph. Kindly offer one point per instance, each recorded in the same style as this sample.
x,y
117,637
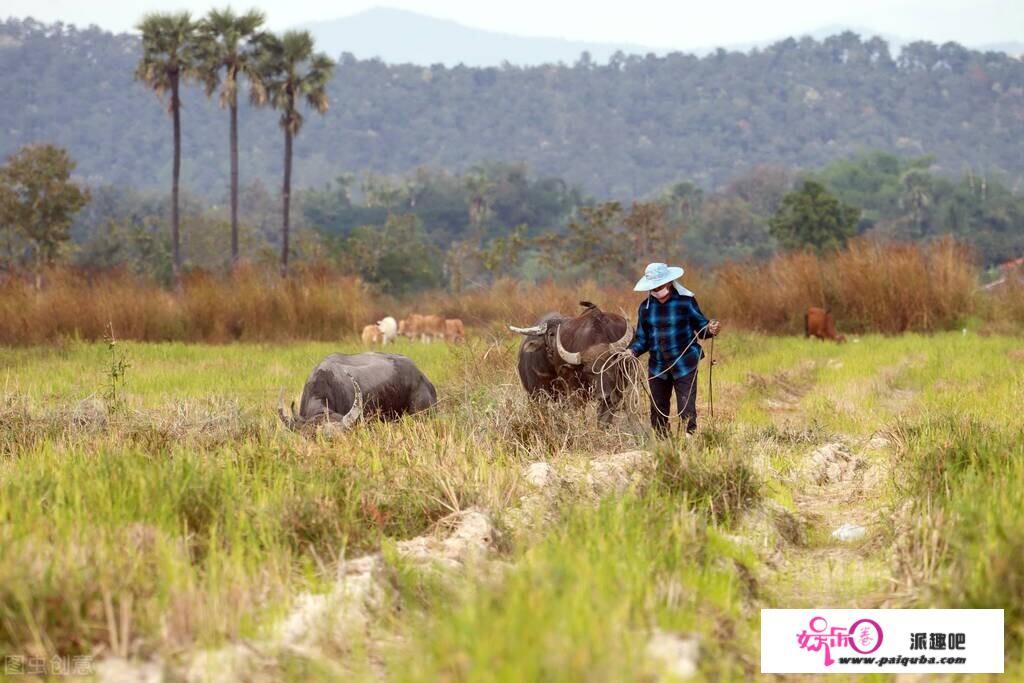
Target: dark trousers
x,y
686,401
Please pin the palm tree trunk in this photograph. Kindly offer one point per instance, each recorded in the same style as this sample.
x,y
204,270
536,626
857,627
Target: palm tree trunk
x,y
39,267
175,175
286,199
234,184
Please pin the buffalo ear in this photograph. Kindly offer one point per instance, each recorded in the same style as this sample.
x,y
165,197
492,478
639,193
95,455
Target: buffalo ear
x,y
533,345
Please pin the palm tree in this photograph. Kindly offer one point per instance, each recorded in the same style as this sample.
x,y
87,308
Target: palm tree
x,y
291,72
916,197
168,58
480,188
232,42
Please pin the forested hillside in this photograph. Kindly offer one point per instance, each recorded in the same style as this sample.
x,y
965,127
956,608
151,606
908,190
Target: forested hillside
x,y
621,129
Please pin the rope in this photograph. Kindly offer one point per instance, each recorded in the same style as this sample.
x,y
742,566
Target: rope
x,y
629,380
711,367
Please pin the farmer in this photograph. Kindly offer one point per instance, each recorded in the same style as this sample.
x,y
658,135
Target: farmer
x,y
668,325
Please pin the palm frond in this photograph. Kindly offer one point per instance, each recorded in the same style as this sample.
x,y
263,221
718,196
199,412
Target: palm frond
x,y
297,46
169,50
228,42
290,72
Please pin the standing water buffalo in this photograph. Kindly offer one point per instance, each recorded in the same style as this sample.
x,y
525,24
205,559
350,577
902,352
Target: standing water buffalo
x,y
343,388
563,356
538,358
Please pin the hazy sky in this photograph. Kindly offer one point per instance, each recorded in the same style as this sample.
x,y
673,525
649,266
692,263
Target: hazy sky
x,y
654,23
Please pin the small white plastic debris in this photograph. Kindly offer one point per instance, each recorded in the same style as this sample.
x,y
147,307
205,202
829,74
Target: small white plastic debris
x,y
673,653
540,474
849,532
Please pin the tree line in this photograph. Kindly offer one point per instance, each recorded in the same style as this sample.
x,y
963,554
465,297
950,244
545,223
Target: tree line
x,y
436,229
617,129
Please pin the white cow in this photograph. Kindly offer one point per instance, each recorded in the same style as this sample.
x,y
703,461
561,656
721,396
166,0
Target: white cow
x,y
388,329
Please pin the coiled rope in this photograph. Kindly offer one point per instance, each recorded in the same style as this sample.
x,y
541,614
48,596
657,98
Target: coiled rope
x,y
633,380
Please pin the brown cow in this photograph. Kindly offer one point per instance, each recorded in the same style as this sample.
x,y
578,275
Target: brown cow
x,y
454,330
410,326
819,323
371,335
432,327
423,327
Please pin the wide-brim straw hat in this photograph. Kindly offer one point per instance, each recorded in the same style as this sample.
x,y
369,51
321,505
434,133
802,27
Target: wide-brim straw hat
x,y
658,274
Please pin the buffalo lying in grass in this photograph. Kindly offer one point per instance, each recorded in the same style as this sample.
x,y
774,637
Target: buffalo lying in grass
x,y
343,388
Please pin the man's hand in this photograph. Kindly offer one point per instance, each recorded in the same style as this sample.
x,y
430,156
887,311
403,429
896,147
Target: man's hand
x,y
714,326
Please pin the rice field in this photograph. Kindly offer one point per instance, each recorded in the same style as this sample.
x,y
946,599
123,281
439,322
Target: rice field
x,y
153,510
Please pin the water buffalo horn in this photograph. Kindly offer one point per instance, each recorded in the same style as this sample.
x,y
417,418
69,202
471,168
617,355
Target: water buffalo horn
x,y
356,411
624,342
570,358
288,422
537,329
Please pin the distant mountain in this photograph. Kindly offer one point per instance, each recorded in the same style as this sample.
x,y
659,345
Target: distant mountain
x,y
401,37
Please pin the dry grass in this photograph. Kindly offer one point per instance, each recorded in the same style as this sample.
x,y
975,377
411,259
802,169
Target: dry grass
x,y
868,286
887,288
1003,309
511,302
249,305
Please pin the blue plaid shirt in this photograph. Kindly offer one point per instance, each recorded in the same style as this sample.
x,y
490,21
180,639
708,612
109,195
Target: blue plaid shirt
x,y
665,329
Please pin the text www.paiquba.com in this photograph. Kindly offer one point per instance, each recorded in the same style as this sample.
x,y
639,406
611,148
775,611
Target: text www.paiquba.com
x,y
902,660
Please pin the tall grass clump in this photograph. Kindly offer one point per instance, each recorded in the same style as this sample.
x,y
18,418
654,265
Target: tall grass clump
x,y
1003,308
882,287
256,304
78,304
966,537
715,477
583,602
251,304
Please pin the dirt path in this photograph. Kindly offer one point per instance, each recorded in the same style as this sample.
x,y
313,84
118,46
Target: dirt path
x,y
838,500
823,536
825,548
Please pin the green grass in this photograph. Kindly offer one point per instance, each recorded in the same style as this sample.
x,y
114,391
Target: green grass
x,y
580,604
191,517
250,374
